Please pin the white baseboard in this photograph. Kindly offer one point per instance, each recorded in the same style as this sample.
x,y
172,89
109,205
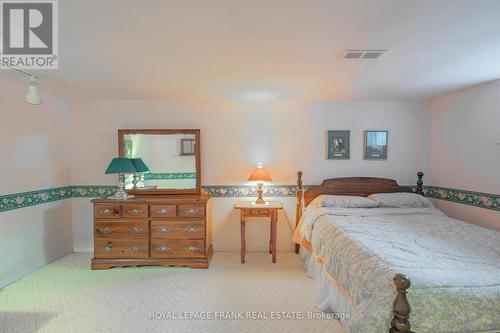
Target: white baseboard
x,y
83,249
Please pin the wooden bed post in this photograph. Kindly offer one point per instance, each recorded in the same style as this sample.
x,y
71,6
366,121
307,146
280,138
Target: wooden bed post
x,y
298,211
420,183
401,321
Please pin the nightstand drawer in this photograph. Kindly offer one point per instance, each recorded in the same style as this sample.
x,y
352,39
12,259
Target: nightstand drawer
x,y
191,210
163,210
122,229
178,229
257,212
121,248
131,210
107,211
163,248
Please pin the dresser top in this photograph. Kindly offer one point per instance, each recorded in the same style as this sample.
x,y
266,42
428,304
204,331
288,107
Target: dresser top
x,y
157,198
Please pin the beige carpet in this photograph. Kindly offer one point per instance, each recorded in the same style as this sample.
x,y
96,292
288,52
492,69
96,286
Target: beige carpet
x,y
66,296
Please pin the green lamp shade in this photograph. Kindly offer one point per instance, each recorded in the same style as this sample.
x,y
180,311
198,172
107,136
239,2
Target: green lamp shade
x,y
139,165
120,165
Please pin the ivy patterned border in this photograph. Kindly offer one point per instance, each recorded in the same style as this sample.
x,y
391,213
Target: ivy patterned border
x,y
26,199
477,199
170,175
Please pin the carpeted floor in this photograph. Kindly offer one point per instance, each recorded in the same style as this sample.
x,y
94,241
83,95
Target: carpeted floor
x,y
66,296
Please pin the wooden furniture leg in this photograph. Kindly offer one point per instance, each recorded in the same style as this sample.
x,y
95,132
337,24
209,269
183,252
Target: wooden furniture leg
x,y
401,320
274,226
271,236
243,244
298,210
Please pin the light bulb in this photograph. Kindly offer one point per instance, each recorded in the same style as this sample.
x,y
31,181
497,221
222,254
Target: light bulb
x,y
33,96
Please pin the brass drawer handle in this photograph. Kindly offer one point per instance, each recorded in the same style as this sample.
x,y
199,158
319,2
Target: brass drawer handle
x,y
163,249
164,229
135,230
190,230
106,211
135,211
191,248
135,249
163,211
106,230
108,248
192,211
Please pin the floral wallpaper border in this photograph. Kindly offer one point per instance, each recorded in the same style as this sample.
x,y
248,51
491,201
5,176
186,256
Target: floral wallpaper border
x,y
477,199
170,175
26,199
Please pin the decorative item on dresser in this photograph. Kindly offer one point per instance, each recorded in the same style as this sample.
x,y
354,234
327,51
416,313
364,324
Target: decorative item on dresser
x,y
121,166
166,230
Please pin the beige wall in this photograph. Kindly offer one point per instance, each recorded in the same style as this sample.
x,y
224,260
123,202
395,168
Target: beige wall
x,y
34,156
464,152
286,137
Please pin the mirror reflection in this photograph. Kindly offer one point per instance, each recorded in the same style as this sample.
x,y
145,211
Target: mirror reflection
x,y
171,159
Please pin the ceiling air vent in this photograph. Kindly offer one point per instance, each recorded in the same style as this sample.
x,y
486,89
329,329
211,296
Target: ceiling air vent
x,y
360,54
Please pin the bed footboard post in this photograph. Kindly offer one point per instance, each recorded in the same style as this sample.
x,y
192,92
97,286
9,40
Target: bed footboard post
x,y
298,213
420,183
401,320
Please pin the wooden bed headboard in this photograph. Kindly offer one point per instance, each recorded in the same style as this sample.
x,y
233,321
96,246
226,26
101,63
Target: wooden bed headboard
x,y
359,186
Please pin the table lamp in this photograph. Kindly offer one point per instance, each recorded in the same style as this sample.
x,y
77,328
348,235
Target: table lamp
x,y
140,167
121,165
260,175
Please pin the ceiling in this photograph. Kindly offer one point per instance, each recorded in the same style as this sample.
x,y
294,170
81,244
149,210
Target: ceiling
x,y
272,49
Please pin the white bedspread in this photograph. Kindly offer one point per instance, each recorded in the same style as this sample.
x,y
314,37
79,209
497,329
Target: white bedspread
x,y
454,266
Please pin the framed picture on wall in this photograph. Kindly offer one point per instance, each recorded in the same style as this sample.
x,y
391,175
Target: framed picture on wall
x,y
375,145
337,144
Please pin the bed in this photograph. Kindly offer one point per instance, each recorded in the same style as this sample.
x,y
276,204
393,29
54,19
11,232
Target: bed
x,y
362,260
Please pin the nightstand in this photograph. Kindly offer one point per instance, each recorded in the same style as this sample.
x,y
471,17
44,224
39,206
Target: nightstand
x,y
248,209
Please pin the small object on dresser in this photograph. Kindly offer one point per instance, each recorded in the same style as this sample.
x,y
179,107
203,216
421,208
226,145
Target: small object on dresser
x,y
121,166
260,175
141,168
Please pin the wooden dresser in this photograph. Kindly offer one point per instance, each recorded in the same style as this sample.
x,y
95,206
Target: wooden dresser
x,y
167,230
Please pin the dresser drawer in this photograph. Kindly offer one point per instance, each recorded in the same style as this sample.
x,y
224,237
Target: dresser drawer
x,y
191,210
125,229
178,229
134,210
163,210
121,248
107,211
164,248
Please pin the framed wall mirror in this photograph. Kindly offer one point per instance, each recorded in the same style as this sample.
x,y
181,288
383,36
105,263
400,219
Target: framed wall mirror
x,y
171,158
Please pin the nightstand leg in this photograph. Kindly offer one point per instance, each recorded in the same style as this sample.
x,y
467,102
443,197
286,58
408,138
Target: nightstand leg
x,y
271,236
274,220
243,245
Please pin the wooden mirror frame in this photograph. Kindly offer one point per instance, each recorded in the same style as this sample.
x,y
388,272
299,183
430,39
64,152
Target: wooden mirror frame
x,y
196,132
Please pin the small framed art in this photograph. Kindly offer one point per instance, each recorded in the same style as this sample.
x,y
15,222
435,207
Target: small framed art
x,y
375,145
337,144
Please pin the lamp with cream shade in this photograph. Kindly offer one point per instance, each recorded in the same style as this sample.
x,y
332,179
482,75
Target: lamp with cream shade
x,y
260,175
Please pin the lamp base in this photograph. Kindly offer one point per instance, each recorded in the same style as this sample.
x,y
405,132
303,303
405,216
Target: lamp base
x,y
121,194
260,191
118,197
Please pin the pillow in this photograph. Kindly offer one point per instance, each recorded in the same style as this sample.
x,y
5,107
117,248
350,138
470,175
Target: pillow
x,y
401,200
343,201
